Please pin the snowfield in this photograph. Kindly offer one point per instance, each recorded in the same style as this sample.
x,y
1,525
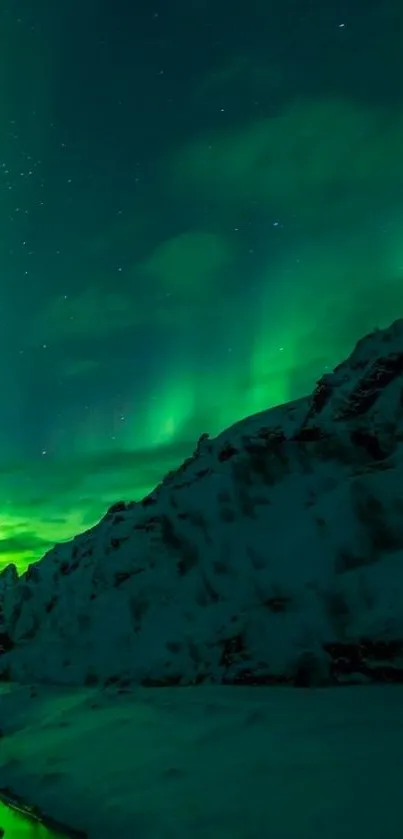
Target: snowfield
x,y
209,762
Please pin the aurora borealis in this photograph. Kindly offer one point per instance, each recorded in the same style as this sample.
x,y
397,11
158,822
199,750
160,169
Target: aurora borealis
x,y
201,209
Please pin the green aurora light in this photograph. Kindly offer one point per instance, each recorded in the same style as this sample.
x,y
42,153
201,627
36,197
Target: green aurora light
x,y
165,277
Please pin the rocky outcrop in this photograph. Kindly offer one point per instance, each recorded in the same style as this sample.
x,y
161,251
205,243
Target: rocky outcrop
x,y
273,555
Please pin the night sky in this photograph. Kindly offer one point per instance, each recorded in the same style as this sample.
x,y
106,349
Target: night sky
x,y
201,208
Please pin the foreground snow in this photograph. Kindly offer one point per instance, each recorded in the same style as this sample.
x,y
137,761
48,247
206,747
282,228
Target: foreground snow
x,y
209,762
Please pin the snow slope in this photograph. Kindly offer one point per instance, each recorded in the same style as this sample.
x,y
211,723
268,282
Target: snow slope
x,y
273,555
210,762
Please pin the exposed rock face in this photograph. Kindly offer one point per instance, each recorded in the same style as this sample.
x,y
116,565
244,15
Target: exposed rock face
x,y
273,555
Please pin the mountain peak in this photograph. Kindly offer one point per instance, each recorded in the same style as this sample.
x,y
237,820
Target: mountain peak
x,y
273,555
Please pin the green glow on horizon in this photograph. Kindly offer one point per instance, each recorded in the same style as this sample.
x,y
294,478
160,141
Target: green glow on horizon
x,y
16,824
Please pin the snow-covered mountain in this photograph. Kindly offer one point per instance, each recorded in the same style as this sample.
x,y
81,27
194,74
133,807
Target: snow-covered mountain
x,y
273,555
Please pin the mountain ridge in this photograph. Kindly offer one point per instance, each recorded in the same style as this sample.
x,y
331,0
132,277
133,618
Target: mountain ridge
x,y
273,555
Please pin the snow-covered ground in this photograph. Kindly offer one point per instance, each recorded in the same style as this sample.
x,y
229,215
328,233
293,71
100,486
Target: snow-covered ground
x,y
209,762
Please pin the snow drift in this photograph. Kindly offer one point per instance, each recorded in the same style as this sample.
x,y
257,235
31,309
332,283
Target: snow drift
x,y
273,555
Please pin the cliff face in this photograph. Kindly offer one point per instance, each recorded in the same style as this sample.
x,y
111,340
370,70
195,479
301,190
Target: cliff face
x,y
274,554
